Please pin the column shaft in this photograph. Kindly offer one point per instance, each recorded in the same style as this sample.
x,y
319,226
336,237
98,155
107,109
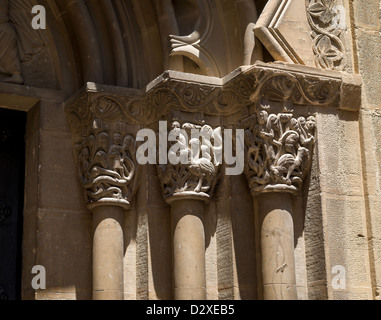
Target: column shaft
x,y
188,250
277,246
108,252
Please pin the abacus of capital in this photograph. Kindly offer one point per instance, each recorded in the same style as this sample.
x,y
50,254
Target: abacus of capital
x,y
275,105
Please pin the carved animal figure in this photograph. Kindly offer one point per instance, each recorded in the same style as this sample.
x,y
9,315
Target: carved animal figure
x,y
287,164
203,168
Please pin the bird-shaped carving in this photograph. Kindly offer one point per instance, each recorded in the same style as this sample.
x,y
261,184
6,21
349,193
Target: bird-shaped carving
x,y
203,168
289,165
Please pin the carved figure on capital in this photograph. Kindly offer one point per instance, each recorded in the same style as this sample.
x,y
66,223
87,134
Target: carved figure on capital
x,y
278,148
191,167
106,164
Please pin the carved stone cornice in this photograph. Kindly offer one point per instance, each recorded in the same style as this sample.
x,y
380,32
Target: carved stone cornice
x,y
195,174
278,149
173,90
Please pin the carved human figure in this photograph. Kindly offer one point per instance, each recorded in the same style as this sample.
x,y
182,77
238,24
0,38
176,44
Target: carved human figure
x,y
310,131
182,151
115,153
290,159
249,16
31,41
101,148
279,148
167,25
127,156
84,164
10,67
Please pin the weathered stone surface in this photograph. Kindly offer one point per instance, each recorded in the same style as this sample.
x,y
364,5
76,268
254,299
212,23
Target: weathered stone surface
x,y
298,76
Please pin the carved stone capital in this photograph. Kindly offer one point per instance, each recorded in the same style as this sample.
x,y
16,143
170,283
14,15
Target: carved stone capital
x,y
195,174
104,154
278,150
102,111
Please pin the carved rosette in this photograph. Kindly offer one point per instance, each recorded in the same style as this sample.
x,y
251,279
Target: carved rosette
x,y
104,152
195,174
278,150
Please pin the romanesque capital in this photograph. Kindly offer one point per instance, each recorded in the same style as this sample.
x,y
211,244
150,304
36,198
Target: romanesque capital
x,y
278,150
100,115
104,153
192,168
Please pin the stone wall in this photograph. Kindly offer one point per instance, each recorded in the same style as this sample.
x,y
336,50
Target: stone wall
x,y
366,30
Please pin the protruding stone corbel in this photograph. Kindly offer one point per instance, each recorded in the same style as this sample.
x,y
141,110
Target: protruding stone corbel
x,y
187,186
104,153
279,149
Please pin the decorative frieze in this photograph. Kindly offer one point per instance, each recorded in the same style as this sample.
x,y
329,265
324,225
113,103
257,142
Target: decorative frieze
x,y
278,149
293,84
296,89
323,17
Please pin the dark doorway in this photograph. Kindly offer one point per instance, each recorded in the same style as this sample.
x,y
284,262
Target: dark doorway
x,y
12,164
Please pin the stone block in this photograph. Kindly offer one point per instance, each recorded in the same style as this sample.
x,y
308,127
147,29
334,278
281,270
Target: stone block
x,y
58,178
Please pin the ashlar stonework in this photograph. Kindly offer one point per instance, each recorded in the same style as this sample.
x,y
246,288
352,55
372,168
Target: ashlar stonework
x,y
298,78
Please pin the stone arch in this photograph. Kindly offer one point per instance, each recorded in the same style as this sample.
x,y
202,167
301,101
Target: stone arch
x,y
122,43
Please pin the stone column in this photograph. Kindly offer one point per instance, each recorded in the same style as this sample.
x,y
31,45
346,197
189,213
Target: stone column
x,y
278,158
188,236
108,252
187,186
277,246
104,153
